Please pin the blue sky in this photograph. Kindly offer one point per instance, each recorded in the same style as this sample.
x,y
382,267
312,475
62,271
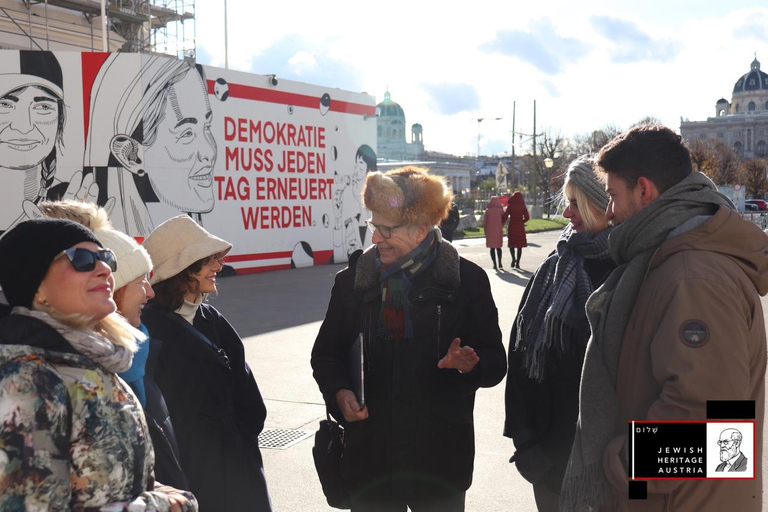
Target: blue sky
x,y
587,64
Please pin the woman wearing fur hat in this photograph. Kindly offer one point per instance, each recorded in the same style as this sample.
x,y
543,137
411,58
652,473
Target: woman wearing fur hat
x,y
74,436
518,215
431,339
215,404
549,338
132,291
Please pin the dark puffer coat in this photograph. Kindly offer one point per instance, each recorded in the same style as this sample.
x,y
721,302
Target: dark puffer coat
x,y
216,408
420,425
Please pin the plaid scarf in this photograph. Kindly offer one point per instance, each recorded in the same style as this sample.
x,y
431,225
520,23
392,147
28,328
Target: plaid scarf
x,y
552,317
396,281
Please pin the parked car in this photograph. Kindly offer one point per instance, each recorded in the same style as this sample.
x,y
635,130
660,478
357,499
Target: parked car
x,y
750,207
761,204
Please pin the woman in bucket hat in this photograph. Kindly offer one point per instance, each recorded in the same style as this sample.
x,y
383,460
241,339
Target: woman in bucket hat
x,y
214,401
431,338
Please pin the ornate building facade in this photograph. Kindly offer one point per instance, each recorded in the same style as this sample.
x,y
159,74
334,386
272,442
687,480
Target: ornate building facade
x,y
741,123
390,130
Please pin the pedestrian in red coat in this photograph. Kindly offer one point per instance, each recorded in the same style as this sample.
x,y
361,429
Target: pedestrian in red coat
x,y
518,215
494,230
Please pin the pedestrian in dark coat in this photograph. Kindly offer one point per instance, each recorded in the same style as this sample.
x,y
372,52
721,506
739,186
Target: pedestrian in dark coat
x,y
549,338
431,339
212,396
517,214
450,223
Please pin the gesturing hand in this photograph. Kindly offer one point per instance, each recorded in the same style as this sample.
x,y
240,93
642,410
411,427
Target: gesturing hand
x,y
349,406
458,357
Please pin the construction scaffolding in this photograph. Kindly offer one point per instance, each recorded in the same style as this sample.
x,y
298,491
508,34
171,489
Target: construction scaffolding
x,y
144,26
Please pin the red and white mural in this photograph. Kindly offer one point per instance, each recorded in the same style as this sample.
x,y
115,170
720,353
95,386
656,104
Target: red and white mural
x,y
274,166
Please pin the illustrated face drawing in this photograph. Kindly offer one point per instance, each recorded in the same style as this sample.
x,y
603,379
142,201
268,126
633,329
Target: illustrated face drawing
x,y
730,444
183,152
29,120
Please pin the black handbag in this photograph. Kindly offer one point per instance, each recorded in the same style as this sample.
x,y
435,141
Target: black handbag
x,y
329,445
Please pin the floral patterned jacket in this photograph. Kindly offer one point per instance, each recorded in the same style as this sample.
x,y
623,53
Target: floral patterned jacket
x,y
72,435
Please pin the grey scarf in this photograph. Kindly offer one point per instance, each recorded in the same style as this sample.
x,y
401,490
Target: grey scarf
x,y
100,350
632,245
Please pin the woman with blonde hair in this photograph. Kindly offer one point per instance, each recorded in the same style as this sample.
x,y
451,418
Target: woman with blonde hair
x,y
132,292
73,436
549,338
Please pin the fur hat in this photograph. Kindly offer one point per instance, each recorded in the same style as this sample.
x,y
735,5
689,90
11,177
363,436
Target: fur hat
x,y
179,242
408,195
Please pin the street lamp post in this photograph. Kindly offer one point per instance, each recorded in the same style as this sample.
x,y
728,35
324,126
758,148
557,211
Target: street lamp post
x,y
480,120
548,163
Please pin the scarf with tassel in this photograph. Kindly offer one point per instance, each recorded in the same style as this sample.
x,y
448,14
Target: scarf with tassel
x,y
552,320
396,281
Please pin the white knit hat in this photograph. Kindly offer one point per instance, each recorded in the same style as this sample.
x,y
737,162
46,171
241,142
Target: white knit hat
x,y
179,242
132,259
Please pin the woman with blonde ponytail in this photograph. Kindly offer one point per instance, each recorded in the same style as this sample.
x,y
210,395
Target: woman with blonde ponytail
x,y
74,435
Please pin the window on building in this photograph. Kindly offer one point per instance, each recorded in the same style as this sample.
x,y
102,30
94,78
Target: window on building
x,y
761,148
737,147
766,105
736,108
751,106
720,135
737,133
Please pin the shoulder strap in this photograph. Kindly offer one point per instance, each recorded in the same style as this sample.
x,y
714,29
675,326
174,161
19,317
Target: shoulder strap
x,y
173,317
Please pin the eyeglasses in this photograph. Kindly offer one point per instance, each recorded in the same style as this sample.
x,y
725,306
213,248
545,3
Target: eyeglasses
x,y
84,260
725,442
385,231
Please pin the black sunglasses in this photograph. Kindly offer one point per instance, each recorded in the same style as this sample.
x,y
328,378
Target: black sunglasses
x,y
84,260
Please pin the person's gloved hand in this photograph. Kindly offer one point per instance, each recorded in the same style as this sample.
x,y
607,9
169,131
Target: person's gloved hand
x,y
532,463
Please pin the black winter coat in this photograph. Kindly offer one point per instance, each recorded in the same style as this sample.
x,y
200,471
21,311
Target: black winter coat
x,y
541,416
216,408
420,424
167,460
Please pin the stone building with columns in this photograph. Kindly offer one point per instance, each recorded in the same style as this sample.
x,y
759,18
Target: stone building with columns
x,y
390,130
741,123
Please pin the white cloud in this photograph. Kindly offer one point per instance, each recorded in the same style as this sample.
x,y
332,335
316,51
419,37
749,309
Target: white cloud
x,y
652,58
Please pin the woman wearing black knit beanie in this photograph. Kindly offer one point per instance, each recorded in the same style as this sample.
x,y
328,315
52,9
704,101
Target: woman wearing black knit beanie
x,y
73,433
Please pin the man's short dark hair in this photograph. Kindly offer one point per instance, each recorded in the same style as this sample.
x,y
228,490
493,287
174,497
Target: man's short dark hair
x,y
652,151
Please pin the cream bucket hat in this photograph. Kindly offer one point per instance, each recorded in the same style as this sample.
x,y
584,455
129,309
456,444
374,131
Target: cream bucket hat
x,y
179,242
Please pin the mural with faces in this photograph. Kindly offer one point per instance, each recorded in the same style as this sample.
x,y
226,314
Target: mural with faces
x,y
274,166
149,142
32,121
349,230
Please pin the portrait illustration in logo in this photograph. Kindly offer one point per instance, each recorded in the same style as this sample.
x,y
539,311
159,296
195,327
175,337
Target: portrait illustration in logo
x,y
731,457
